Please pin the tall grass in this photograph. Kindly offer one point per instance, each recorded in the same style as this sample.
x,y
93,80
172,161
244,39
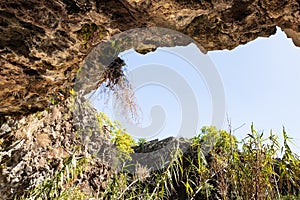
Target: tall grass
x,y
61,186
254,171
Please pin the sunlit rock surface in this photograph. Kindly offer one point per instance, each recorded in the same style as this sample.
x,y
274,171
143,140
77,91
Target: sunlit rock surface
x,y
36,147
42,43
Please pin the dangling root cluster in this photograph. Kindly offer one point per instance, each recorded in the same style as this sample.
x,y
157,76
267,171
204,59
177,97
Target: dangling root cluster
x,y
114,80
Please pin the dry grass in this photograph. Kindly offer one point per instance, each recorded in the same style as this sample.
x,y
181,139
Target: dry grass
x,y
226,172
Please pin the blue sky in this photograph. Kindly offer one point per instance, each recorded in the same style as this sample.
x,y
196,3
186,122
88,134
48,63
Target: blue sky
x,y
261,83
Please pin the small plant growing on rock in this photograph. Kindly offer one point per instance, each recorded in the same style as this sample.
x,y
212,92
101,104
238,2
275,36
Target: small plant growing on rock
x,y
142,141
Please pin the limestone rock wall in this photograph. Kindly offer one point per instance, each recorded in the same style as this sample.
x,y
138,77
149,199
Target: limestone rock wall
x,y
42,43
37,147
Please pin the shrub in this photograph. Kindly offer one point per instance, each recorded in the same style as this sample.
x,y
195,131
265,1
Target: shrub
x,y
119,137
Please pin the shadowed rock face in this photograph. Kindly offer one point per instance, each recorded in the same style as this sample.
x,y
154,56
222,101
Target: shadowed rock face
x,y
42,43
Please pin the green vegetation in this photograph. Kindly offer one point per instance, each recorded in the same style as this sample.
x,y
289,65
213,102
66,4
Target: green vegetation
x,y
253,171
226,172
119,137
61,186
142,141
91,33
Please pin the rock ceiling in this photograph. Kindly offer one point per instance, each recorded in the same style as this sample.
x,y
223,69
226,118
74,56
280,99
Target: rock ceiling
x,y
42,43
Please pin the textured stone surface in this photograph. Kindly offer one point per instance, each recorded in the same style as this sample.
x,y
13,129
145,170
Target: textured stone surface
x,y
42,43
37,146
157,154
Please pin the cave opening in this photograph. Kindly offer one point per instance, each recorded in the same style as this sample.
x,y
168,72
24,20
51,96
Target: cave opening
x,y
259,82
